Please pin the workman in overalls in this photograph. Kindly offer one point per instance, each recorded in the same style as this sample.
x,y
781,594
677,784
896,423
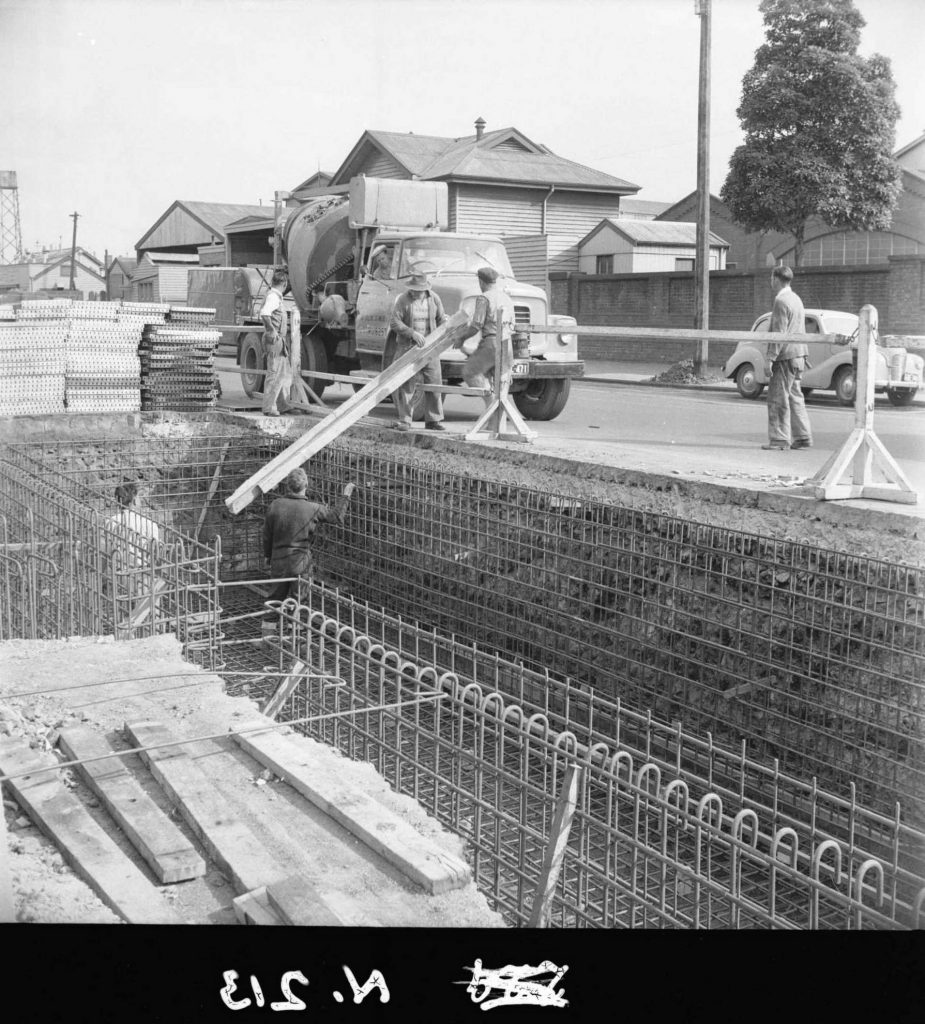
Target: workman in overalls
x,y
417,313
276,347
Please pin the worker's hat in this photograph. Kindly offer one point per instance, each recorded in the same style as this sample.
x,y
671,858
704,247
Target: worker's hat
x,y
419,282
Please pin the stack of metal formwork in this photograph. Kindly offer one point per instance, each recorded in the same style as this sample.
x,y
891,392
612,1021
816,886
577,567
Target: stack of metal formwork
x,y
32,367
177,362
45,309
103,372
7,312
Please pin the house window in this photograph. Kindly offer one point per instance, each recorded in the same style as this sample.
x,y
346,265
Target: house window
x,y
64,270
604,265
683,263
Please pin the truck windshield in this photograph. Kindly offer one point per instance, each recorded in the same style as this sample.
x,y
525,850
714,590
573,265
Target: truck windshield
x,y
453,255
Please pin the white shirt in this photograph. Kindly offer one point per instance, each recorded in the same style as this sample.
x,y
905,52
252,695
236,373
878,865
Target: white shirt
x,y
272,302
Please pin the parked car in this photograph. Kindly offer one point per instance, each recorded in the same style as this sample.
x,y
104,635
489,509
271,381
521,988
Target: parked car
x,y
834,367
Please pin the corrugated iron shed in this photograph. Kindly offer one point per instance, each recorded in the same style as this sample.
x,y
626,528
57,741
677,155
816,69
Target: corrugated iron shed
x,y
654,232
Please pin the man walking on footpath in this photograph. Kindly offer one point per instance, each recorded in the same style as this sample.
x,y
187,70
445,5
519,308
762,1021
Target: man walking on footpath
x,y
276,346
479,368
788,421
418,312
287,536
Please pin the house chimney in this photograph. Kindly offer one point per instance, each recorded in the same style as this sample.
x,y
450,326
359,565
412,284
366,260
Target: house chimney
x,y
479,129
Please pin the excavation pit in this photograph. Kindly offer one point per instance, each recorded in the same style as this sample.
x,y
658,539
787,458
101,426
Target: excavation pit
x,y
717,686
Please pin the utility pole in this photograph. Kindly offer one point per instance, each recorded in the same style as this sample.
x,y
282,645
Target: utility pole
x,y
702,257
72,284
278,198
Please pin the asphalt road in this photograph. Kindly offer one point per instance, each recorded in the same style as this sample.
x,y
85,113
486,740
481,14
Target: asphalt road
x,y
697,433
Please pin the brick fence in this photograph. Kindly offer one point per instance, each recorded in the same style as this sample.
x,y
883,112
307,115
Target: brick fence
x,y
896,288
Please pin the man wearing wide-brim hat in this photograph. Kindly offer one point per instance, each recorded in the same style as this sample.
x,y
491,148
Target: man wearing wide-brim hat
x,y
417,312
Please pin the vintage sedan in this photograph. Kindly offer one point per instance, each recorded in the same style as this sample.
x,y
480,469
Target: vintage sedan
x,y
833,367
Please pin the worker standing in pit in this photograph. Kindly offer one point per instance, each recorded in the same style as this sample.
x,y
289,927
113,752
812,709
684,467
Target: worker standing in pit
x,y
129,536
418,312
287,536
276,347
479,368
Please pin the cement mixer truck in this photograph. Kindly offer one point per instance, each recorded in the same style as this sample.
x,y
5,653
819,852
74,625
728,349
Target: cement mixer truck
x,y
350,257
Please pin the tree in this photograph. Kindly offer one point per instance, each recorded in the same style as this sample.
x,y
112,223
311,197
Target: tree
x,y
819,123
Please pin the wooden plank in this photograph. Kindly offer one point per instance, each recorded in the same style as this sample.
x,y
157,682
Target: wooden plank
x,y
556,847
162,845
285,688
7,913
298,902
337,421
416,856
254,908
82,842
228,841
213,487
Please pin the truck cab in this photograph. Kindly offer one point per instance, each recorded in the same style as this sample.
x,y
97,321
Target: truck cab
x,y
350,258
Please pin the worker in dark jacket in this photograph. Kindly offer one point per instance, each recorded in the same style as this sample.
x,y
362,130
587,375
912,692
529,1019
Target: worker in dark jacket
x,y
288,531
418,312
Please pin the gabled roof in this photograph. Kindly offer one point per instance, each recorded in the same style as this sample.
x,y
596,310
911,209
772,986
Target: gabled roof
x,y
505,155
127,263
912,145
254,223
654,232
65,261
644,206
212,216
684,203
52,255
317,180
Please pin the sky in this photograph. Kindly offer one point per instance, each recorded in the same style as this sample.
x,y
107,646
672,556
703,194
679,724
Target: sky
x,y
117,109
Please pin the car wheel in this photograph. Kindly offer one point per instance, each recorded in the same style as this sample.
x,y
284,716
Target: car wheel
x,y
844,384
747,381
900,396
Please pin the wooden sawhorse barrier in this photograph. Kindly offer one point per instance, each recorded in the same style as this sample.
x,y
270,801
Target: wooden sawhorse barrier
x,y
863,451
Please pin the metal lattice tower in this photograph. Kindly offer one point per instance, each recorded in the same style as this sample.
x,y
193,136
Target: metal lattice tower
x,y
10,229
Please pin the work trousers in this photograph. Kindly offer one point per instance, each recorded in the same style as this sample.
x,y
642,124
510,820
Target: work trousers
x,y
479,369
404,394
293,565
278,379
788,420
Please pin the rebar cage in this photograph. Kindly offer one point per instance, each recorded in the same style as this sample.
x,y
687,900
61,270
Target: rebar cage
x,y
774,673
670,830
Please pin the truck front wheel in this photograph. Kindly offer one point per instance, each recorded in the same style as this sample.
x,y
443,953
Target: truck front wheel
x,y
543,399
252,361
314,360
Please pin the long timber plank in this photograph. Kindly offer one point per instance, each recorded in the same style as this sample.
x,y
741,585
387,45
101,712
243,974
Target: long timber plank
x,y
336,422
254,908
298,902
416,856
163,846
82,842
228,841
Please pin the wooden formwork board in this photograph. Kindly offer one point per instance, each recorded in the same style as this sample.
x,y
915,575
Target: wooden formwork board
x,y
83,843
384,832
162,845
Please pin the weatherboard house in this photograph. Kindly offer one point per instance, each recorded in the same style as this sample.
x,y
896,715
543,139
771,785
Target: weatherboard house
x,y
498,182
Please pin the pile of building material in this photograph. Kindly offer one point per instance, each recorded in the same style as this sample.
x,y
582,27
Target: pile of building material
x,y
103,371
6,311
177,362
32,365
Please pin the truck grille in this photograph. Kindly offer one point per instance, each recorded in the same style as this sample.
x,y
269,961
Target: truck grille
x,y
521,315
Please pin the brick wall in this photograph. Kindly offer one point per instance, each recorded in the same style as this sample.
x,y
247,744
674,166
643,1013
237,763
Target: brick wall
x,y
907,296
737,299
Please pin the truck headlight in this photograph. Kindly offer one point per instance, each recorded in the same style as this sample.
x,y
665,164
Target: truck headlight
x,y
567,339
